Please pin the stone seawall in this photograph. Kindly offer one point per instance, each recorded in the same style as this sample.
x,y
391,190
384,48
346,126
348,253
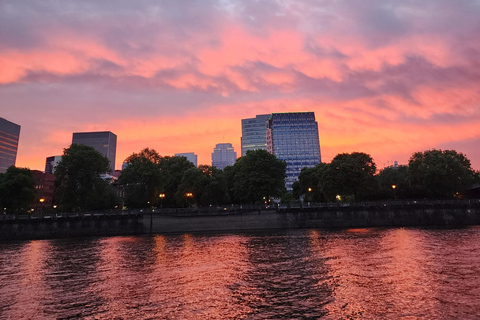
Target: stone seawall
x,y
234,220
377,215
69,226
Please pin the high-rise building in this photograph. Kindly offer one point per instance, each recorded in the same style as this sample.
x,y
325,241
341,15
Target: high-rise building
x,y
104,142
9,135
223,155
51,163
192,157
293,137
254,133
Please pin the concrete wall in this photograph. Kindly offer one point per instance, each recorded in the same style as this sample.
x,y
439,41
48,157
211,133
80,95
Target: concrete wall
x,y
68,227
333,217
190,220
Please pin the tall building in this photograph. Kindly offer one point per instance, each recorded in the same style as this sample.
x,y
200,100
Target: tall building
x,y
51,163
293,137
44,185
104,142
9,134
223,155
192,157
254,133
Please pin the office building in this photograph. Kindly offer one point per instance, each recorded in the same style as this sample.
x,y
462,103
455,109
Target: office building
x,y
254,133
293,137
51,164
192,157
44,185
9,135
104,142
223,155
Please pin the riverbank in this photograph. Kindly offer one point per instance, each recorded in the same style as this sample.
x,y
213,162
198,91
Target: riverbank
x,y
232,219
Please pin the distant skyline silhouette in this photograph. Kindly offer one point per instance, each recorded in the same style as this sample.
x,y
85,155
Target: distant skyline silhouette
x,y
387,78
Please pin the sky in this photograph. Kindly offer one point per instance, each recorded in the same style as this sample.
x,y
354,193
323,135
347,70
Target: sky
x,y
385,77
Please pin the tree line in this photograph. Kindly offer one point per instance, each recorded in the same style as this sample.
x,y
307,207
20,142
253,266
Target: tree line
x,y
152,180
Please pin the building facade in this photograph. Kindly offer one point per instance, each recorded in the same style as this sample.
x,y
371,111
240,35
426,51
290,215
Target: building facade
x,y
293,137
223,155
44,185
192,157
9,135
254,133
104,142
51,163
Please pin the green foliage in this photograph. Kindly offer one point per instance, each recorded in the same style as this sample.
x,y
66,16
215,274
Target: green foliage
x,y
256,175
308,183
142,179
349,174
206,184
148,175
79,185
172,171
393,176
440,174
17,189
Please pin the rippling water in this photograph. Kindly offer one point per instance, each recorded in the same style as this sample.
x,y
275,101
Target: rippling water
x,y
301,274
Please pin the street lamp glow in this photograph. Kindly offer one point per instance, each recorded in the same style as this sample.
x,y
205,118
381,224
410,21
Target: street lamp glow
x,y
161,195
339,197
189,195
309,189
42,200
394,186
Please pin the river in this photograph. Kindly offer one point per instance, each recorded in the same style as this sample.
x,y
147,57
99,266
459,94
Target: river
x,y
298,274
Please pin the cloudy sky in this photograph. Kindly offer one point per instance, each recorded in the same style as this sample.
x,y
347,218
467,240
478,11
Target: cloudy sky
x,y
385,77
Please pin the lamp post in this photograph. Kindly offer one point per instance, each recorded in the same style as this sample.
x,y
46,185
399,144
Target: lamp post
x,y
161,196
41,200
394,187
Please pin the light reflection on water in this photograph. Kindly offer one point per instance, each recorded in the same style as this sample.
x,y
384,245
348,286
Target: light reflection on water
x,y
301,274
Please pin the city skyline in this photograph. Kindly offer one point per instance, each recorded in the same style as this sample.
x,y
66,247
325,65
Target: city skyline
x,y
383,77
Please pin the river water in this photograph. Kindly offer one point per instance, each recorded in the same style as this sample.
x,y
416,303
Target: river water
x,y
299,274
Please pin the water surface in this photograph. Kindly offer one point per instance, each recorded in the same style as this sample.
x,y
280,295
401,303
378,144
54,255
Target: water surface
x,y
300,274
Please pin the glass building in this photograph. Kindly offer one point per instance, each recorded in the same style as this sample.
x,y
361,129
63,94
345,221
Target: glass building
x,y
51,163
223,155
254,133
9,135
293,137
192,157
104,142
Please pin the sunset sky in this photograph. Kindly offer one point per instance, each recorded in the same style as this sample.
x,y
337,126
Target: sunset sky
x,y
388,78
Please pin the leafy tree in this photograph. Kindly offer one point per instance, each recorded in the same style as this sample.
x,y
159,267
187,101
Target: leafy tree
x,y
440,174
256,175
172,171
308,183
17,189
393,176
142,179
349,174
79,185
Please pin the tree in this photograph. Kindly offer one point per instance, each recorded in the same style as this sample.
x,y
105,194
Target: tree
x,y
256,175
172,171
142,179
349,174
308,183
393,183
438,174
79,185
17,189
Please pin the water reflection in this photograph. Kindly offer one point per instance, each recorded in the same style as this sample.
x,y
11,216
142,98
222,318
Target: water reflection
x,y
284,281
303,274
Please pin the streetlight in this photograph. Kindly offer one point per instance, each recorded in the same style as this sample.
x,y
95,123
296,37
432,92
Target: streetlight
x,y
189,195
42,200
310,189
161,196
394,192
339,197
